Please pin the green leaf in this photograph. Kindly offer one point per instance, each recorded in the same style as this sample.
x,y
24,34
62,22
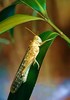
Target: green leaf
x,y
38,5
4,41
25,90
7,12
17,19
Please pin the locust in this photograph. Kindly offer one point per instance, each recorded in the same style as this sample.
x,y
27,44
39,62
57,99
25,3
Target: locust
x,y
28,60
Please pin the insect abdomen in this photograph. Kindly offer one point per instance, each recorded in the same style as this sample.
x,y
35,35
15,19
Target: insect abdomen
x,y
18,79
16,84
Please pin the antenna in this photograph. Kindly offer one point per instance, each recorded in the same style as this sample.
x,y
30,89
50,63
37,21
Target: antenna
x,y
30,31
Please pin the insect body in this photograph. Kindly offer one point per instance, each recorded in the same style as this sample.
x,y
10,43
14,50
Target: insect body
x,y
30,57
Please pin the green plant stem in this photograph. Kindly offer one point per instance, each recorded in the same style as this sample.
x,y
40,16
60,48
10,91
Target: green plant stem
x,y
62,35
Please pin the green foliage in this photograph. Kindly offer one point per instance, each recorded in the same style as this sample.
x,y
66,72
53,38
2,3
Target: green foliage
x,y
38,5
14,20
5,13
24,92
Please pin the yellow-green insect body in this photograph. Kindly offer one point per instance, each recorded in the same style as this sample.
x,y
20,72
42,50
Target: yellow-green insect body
x,y
30,57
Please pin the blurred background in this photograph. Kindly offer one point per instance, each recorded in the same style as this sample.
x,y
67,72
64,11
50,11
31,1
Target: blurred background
x,y
54,78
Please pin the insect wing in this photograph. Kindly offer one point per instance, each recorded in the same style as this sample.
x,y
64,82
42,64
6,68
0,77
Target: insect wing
x,y
18,78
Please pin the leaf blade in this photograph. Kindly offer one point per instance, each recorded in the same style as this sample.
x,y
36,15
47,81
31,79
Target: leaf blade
x,y
17,19
38,5
7,12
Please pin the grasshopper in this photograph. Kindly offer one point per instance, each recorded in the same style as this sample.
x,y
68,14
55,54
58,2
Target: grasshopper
x,y
29,59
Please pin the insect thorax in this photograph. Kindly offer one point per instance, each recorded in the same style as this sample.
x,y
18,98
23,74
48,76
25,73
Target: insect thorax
x,y
37,41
